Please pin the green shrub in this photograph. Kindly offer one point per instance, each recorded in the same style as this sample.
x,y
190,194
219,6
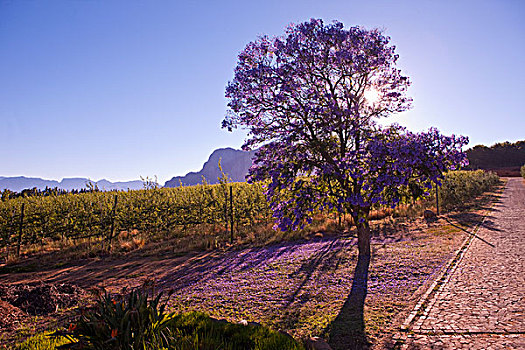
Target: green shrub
x,y
522,170
462,186
195,330
42,341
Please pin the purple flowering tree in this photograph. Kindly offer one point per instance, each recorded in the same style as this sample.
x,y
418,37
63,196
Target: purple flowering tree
x,y
310,101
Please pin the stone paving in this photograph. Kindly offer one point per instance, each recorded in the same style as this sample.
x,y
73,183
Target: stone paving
x,y
482,303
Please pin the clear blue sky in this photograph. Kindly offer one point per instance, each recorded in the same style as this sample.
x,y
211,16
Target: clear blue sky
x,y
122,89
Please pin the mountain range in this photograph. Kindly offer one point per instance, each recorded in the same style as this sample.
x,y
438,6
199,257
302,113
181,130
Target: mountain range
x,y
234,163
20,183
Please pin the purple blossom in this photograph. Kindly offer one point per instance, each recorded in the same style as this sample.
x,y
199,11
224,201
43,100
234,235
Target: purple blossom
x,y
301,98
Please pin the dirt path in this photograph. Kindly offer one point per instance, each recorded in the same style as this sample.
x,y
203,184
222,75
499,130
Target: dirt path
x,y
482,306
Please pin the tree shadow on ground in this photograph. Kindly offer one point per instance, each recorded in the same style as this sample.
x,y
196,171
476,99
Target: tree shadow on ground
x,y
326,259
214,265
472,220
474,234
305,272
347,331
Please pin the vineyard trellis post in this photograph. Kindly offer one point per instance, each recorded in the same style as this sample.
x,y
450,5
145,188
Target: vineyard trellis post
x,y
226,211
113,214
231,214
21,225
437,199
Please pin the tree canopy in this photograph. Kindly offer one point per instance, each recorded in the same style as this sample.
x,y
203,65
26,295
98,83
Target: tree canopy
x,y
499,155
310,100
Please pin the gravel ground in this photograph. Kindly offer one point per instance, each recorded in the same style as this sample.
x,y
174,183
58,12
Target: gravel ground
x,y
482,306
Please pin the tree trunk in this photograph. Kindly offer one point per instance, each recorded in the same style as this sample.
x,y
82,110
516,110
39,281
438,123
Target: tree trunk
x,y
363,239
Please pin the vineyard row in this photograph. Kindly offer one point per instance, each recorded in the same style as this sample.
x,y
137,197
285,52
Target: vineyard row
x,y
101,214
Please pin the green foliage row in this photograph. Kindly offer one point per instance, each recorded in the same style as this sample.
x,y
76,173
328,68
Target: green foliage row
x,y
173,210
459,187
153,210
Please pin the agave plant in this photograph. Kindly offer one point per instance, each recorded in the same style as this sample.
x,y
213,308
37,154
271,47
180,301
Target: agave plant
x,y
133,321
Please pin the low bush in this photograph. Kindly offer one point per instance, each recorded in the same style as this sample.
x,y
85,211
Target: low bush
x,y
459,187
522,171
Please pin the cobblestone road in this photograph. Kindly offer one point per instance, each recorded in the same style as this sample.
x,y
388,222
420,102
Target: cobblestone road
x,y
482,305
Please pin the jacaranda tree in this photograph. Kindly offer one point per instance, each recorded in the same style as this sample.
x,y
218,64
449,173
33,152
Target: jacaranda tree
x,y
310,101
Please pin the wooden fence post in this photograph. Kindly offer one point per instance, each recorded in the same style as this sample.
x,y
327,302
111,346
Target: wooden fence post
x,y
231,214
113,212
20,230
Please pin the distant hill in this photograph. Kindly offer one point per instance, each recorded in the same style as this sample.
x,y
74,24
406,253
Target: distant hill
x,y
20,183
505,158
234,163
